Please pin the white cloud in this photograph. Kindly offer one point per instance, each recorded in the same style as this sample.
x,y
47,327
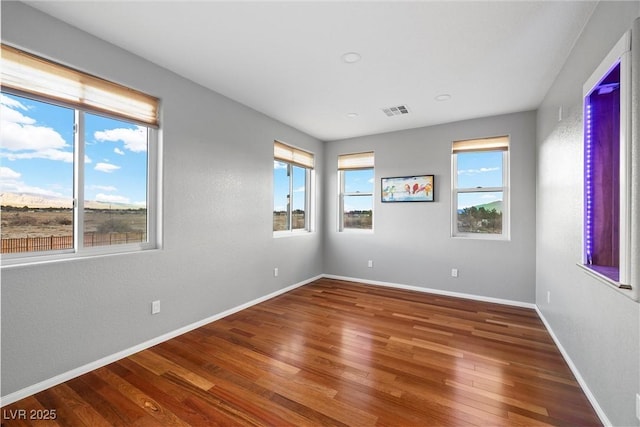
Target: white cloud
x,y
19,187
118,151
19,137
49,154
299,190
111,198
106,167
10,182
134,139
279,165
12,103
8,173
12,116
477,171
23,139
103,187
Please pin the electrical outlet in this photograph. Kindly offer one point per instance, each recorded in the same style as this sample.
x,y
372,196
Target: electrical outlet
x,y
370,263
638,406
155,307
454,272
275,272
548,297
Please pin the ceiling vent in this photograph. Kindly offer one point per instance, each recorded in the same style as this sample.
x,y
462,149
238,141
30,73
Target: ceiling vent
x,y
396,111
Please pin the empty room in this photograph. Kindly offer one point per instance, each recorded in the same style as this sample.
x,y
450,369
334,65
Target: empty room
x,y
320,213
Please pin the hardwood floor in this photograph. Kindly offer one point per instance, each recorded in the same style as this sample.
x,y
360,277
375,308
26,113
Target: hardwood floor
x,y
333,353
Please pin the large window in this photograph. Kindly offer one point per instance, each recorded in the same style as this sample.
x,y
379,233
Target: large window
x,y
292,169
356,178
79,158
480,188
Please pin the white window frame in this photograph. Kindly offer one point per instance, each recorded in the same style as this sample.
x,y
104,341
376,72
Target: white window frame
x,y
303,159
506,208
629,272
41,94
350,166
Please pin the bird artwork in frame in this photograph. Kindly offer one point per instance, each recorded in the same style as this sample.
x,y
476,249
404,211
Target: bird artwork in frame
x,y
416,188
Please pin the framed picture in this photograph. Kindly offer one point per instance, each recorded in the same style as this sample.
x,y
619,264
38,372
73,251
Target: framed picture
x,y
418,188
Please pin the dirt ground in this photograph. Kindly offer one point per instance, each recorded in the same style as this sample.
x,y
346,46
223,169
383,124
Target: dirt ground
x,y
59,222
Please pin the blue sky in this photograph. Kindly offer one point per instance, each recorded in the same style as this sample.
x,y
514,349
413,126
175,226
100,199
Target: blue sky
x,y
359,180
281,186
479,169
36,155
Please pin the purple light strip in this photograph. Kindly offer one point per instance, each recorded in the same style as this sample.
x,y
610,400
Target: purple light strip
x,y
588,189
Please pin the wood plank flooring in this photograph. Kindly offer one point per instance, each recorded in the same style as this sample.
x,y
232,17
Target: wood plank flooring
x,y
333,353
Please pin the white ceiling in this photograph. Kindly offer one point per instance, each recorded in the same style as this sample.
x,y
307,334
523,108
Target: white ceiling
x,y
284,58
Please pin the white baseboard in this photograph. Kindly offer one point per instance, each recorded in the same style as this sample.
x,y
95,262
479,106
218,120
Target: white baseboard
x,y
576,373
434,291
66,376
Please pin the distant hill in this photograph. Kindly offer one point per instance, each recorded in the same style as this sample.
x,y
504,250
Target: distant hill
x,y
34,201
37,201
493,205
497,205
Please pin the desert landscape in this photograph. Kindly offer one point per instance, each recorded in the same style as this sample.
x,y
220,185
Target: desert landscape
x,y
33,227
355,219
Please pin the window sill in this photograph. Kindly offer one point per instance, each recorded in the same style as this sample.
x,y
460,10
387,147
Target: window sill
x,y
627,290
481,236
281,234
60,256
356,231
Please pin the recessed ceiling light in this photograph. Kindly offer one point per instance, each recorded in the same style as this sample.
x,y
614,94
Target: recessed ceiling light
x,y
351,57
352,115
443,97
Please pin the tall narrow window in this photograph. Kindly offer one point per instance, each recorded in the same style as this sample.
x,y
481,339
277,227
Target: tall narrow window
x,y
480,188
607,178
292,169
115,209
36,178
79,160
356,178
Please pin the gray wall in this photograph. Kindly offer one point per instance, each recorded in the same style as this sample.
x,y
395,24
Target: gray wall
x,y
411,243
598,326
219,251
